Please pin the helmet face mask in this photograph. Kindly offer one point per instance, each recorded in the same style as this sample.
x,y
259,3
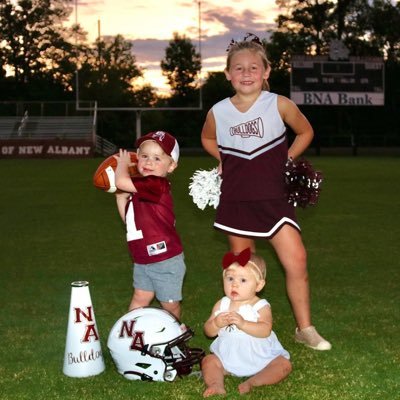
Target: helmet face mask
x,y
149,344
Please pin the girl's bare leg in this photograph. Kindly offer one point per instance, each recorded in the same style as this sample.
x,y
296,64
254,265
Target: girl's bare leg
x,y
213,375
292,254
237,244
274,372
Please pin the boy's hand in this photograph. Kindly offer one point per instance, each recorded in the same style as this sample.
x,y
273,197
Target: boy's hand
x,y
124,158
123,176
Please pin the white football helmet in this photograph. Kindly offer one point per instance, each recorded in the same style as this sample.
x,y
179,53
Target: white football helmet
x,y
149,344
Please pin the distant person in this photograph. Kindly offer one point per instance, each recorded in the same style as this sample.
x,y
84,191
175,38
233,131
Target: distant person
x,y
246,345
247,135
145,205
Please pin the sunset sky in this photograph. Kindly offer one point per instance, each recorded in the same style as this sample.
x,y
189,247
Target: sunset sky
x,y
151,24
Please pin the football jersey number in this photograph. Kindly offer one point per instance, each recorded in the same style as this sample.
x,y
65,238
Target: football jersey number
x,y
132,233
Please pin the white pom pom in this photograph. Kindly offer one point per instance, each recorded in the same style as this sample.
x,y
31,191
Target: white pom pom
x,y
205,188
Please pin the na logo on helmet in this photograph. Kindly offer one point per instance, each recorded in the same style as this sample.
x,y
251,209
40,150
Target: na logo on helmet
x,y
128,330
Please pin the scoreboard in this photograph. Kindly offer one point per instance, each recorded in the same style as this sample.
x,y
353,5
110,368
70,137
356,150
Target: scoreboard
x,y
317,80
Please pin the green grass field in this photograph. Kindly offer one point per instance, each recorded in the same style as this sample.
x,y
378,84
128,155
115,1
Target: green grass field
x,y
57,228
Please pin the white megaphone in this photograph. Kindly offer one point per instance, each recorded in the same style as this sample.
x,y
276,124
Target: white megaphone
x,y
83,356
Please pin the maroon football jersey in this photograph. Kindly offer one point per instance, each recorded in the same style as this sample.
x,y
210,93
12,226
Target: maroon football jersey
x,y
150,221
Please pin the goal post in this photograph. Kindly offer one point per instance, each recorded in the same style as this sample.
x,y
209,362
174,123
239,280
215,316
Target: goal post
x,y
115,24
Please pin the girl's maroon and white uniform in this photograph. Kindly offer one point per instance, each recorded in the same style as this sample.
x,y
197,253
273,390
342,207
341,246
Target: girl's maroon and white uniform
x,y
150,221
253,148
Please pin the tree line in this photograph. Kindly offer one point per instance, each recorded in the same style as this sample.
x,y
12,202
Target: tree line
x,y
40,54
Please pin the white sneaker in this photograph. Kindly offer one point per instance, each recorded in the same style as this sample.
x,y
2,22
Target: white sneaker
x,y
311,338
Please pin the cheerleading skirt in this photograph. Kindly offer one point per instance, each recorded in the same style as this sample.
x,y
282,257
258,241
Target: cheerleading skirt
x,y
255,219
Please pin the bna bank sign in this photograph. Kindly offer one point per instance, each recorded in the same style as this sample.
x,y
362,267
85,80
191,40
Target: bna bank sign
x,y
334,81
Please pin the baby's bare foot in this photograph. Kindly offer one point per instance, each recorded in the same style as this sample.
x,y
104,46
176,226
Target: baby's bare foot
x,y
244,387
214,390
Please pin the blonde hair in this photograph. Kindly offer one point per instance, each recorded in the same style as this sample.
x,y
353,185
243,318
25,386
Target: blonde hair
x,y
252,46
256,264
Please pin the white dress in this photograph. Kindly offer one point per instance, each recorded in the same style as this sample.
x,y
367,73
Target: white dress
x,y
240,353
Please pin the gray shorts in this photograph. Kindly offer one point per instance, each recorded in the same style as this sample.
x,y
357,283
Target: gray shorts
x,y
164,278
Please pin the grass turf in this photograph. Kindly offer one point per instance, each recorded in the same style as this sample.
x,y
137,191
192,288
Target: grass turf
x,y
56,228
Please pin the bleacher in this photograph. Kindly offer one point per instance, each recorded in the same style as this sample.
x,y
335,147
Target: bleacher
x,y
27,124
45,127
53,129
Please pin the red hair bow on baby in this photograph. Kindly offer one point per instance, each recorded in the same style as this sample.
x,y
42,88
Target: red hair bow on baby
x,y
242,258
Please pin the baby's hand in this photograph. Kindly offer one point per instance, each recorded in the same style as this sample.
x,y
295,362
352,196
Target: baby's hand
x,y
236,319
221,320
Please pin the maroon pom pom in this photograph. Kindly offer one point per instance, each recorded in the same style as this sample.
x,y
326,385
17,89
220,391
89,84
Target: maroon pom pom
x,y
303,183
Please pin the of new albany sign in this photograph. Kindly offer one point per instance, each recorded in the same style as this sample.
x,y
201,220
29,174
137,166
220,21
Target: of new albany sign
x,y
337,79
23,148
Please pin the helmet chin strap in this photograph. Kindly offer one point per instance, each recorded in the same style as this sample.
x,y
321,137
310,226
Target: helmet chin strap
x,y
143,377
160,369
